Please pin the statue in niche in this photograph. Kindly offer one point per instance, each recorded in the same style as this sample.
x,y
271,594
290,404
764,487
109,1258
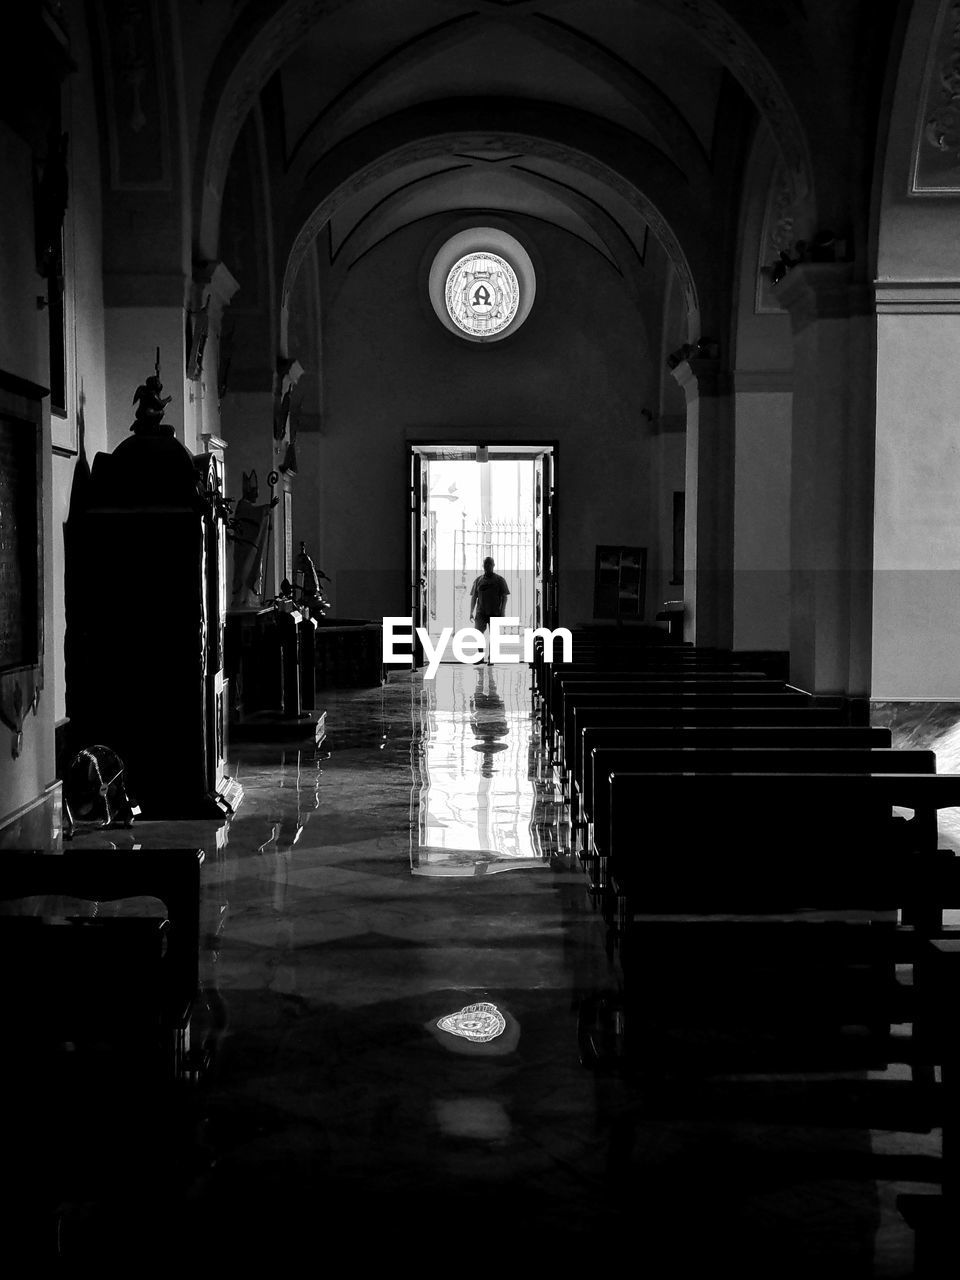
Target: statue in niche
x,y
251,528
150,406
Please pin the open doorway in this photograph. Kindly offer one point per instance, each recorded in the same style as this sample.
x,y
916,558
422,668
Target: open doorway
x,y
473,501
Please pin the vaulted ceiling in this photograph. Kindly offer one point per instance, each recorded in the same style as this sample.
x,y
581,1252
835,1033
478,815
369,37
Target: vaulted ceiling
x,y
624,122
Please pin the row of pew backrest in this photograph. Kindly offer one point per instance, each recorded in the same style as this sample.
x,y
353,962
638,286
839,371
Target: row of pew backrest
x,y
623,665
637,657
656,761
684,707
565,687
640,659
603,640
635,736
593,717
687,716
767,842
717,681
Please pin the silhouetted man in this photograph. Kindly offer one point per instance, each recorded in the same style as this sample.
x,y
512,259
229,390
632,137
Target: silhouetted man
x,y
488,598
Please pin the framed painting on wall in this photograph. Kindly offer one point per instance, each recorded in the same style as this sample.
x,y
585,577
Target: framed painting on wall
x,y
61,270
21,552
679,521
620,582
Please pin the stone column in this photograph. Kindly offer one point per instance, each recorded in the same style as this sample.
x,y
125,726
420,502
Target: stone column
x,y
831,478
708,532
916,552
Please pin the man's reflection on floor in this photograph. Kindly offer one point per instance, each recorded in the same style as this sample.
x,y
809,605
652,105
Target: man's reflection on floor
x,y
488,718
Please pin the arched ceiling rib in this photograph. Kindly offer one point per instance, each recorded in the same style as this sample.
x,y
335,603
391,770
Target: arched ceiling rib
x,y
354,170
513,189
493,175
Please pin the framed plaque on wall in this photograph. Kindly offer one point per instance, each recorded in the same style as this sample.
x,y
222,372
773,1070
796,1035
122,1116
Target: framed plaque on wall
x,y
21,551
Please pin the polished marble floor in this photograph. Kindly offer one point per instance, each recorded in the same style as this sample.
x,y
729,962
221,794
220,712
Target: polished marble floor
x,y
399,953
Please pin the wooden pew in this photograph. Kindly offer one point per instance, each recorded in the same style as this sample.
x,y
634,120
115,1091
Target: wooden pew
x,y
845,853
105,969
594,652
638,661
635,658
934,1217
607,762
684,708
698,736
693,716
566,684
730,875
762,836
679,703
707,680
779,933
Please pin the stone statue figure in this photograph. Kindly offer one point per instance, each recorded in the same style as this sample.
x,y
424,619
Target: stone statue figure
x,y
250,529
306,581
150,406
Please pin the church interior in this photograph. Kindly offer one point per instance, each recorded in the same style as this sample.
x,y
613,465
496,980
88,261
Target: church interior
x,y
645,951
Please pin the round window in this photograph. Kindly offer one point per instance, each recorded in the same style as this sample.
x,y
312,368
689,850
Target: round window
x,y
482,294
482,284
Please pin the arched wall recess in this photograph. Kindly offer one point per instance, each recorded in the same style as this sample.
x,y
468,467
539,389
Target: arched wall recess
x,y
325,205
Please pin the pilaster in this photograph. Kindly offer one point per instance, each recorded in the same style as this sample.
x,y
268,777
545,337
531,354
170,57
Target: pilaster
x,y
708,532
916,515
763,412
831,480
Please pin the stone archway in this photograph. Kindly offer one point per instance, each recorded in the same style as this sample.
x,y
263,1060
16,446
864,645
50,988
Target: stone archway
x,y
323,203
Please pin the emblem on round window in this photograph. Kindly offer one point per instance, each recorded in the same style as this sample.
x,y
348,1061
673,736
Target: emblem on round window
x,y
482,284
482,294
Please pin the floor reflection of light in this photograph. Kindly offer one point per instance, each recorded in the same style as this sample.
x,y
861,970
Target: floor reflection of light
x,y
479,1029
480,1118
474,799
466,862
476,1022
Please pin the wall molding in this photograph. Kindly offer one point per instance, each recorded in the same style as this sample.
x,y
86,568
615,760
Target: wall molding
x,y
917,297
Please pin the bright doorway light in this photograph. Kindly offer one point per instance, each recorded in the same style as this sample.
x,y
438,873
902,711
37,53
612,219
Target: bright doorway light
x,y
479,509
